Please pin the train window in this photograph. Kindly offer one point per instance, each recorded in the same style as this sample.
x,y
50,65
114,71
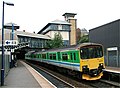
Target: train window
x,y
54,56
91,52
74,56
71,56
50,56
44,56
34,56
64,56
37,56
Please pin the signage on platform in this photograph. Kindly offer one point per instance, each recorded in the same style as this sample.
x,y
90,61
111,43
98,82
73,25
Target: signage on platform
x,y
11,42
112,48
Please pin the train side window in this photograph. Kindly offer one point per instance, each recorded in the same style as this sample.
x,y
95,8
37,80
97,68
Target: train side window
x,y
44,56
54,56
50,56
37,56
64,56
34,56
71,56
74,56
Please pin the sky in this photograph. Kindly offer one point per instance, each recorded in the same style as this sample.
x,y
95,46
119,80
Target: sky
x,y
33,15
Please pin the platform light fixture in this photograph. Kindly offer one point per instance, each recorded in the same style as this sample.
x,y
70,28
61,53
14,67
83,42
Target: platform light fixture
x,y
2,67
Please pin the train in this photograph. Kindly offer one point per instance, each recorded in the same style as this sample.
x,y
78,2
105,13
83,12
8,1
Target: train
x,y
85,60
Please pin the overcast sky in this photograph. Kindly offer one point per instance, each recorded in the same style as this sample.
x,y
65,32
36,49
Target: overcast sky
x,y
33,15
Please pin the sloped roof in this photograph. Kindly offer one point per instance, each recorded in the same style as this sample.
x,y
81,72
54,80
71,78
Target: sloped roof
x,y
9,26
60,22
21,33
69,14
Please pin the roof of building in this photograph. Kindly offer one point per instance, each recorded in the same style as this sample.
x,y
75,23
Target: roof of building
x,y
83,30
9,26
69,14
27,34
55,22
60,22
104,24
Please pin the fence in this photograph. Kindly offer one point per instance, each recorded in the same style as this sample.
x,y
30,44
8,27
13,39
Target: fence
x,y
7,59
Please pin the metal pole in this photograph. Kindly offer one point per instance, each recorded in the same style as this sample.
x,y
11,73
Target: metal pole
x,y
12,31
2,68
12,37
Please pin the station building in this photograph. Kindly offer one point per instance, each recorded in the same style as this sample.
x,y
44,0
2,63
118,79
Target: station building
x,y
26,41
66,28
108,35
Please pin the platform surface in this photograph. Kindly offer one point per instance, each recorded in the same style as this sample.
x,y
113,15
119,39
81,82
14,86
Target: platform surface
x,y
112,69
24,76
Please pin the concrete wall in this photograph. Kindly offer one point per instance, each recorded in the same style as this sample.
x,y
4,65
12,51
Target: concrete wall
x,y
65,34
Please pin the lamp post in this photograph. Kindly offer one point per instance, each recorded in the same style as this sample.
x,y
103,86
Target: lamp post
x,y
12,31
2,67
12,38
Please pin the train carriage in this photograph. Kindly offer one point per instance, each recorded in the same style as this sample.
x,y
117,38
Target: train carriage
x,y
86,59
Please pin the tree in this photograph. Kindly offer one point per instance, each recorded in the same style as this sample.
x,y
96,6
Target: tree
x,y
56,42
84,39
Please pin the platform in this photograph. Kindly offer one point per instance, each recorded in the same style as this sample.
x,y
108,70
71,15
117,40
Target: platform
x,y
112,69
24,76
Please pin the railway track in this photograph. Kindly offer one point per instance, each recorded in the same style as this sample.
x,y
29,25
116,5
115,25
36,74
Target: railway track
x,y
60,81
57,82
102,84
66,81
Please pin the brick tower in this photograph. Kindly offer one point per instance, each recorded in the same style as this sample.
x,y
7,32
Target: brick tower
x,y
69,17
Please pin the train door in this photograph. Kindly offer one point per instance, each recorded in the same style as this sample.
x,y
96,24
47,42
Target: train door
x,y
58,57
112,57
74,58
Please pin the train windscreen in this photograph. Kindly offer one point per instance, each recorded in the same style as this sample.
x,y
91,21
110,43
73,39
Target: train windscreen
x,y
91,51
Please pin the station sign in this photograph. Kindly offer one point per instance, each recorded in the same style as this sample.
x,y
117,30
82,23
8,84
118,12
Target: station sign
x,y
11,42
112,48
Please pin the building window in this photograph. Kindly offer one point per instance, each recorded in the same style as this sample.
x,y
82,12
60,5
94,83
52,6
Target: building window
x,y
60,27
54,27
65,27
65,42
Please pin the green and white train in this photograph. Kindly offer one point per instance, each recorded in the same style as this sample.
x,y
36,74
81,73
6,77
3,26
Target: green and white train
x,y
85,59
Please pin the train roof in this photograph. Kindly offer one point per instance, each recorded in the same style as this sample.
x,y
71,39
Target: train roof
x,y
30,52
73,47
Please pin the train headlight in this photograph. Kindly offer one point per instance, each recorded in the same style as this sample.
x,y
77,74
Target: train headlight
x,y
100,67
101,64
85,66
85,69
